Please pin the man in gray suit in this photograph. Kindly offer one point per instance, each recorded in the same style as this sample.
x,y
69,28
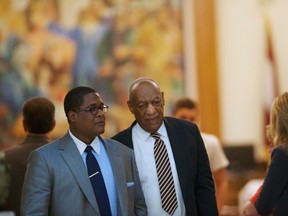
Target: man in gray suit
x,y
57,181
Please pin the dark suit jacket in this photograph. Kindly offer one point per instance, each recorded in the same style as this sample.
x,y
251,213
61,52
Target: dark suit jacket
x,y
57,182
192,165
16,159
274,193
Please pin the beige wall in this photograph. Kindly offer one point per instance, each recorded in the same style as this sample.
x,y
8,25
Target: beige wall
x,y
240,34
241,42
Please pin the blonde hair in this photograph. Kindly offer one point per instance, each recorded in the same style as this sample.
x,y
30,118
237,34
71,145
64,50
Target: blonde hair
x,y
278,128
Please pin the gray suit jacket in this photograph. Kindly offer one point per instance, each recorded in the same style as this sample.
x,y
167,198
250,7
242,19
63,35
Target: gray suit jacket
x,y
57,183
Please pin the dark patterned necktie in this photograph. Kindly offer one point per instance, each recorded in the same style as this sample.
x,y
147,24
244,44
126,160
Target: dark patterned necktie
x,y
97,182
165,177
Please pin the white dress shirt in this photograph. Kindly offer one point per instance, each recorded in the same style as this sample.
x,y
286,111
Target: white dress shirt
x,y
144,154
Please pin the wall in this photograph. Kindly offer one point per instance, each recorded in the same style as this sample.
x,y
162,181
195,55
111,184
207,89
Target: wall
x,y
242,54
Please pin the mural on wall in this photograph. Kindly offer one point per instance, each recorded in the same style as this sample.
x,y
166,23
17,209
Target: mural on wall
x,y
50,46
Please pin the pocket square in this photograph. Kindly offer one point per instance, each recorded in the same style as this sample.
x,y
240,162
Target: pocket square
x,y
129,184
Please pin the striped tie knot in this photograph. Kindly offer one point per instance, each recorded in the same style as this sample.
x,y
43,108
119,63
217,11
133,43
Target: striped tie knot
x,y
155,135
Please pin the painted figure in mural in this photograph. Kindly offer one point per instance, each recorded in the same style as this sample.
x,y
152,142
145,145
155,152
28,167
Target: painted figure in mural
x,y
16,83
103,44
87,36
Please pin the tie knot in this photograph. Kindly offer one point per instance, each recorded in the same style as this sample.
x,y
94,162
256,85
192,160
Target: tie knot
x,y
155,135
88,149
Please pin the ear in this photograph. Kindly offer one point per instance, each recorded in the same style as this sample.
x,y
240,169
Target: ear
x,y
72,116
53,125
131,108
24,125
162,93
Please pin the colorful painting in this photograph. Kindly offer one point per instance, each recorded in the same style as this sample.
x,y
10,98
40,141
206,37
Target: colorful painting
x,y
50,46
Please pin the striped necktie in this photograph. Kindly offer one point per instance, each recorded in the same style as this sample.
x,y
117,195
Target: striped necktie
x,y
165,177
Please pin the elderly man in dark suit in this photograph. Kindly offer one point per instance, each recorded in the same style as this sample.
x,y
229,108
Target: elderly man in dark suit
x,y
188,187
82,173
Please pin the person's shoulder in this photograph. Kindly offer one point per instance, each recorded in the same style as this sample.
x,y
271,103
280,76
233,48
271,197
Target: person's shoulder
x,y
12,153
117,144
177,121
55,144
280,150
180,126
29,143
280,155
210,138
173,119
12,149
122,135
212,143
5,179
114,142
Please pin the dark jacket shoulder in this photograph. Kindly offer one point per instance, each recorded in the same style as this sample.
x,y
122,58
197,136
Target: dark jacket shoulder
x,y
172,125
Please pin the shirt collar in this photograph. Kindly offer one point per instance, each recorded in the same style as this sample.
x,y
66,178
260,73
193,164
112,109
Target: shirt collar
x,y
82,146
145,135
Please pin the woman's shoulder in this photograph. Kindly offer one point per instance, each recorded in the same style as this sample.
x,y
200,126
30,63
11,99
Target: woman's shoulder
x,y
280,154
280,150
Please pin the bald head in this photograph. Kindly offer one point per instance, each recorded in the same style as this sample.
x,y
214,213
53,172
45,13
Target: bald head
x,y
140,81
146,102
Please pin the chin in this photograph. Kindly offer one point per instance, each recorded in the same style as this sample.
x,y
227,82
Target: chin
x,y
152,129
100,131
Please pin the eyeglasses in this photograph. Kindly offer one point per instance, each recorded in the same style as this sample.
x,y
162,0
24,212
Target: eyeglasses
x,y
94,110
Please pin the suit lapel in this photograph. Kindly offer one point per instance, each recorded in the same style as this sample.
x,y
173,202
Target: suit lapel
x,y
128,136
119,174
73,159
172,137
177,146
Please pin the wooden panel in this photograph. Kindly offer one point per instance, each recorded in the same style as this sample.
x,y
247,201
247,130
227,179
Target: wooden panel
x,y
206,58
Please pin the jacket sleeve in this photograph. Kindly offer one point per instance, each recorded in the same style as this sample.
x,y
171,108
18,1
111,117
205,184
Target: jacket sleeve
x,y
275,182
37,187
4,179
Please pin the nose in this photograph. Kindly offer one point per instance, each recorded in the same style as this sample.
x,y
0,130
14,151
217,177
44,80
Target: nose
x,y
100,113
150,109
